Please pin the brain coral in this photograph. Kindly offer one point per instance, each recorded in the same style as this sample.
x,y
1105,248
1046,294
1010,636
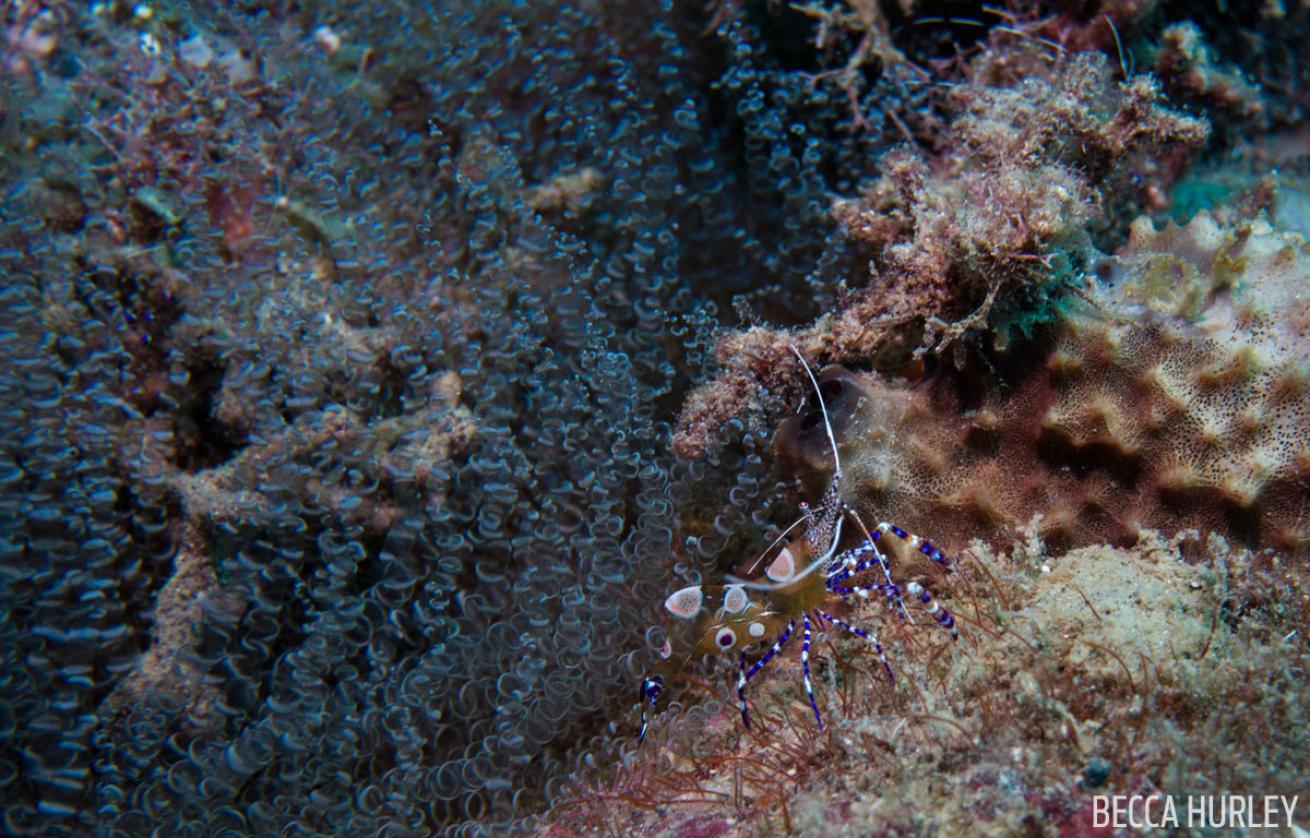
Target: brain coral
x,y
1175,394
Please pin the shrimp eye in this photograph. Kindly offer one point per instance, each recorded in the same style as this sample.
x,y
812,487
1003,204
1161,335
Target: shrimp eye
x,y
725,638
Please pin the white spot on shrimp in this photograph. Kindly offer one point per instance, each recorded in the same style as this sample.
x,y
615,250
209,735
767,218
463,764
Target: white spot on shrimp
x,y
725,638
735,599
685,604
756,629
783,567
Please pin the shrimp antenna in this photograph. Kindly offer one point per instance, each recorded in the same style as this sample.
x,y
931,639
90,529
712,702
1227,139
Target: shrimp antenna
x,y
825,558
832,440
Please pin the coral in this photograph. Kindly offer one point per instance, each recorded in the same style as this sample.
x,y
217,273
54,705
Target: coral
x,y
168,666
1176,394
333,451
1105,26
342,348
998,221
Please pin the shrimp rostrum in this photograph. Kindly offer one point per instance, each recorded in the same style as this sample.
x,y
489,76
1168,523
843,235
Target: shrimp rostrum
x,y
806,573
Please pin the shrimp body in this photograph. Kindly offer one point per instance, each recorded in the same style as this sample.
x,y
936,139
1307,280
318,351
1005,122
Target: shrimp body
x,y
805,575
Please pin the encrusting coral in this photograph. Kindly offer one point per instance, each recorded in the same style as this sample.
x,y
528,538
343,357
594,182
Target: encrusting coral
x,y
1175,392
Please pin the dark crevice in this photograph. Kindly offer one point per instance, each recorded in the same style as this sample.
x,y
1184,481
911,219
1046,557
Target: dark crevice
x,y
202,440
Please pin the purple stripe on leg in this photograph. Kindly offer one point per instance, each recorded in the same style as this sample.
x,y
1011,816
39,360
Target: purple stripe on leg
x,y
805,668
940,614
926,547
773,650
741,691
747,674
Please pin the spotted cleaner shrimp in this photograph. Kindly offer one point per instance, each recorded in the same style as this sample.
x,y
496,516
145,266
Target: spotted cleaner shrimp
x,y
806,574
